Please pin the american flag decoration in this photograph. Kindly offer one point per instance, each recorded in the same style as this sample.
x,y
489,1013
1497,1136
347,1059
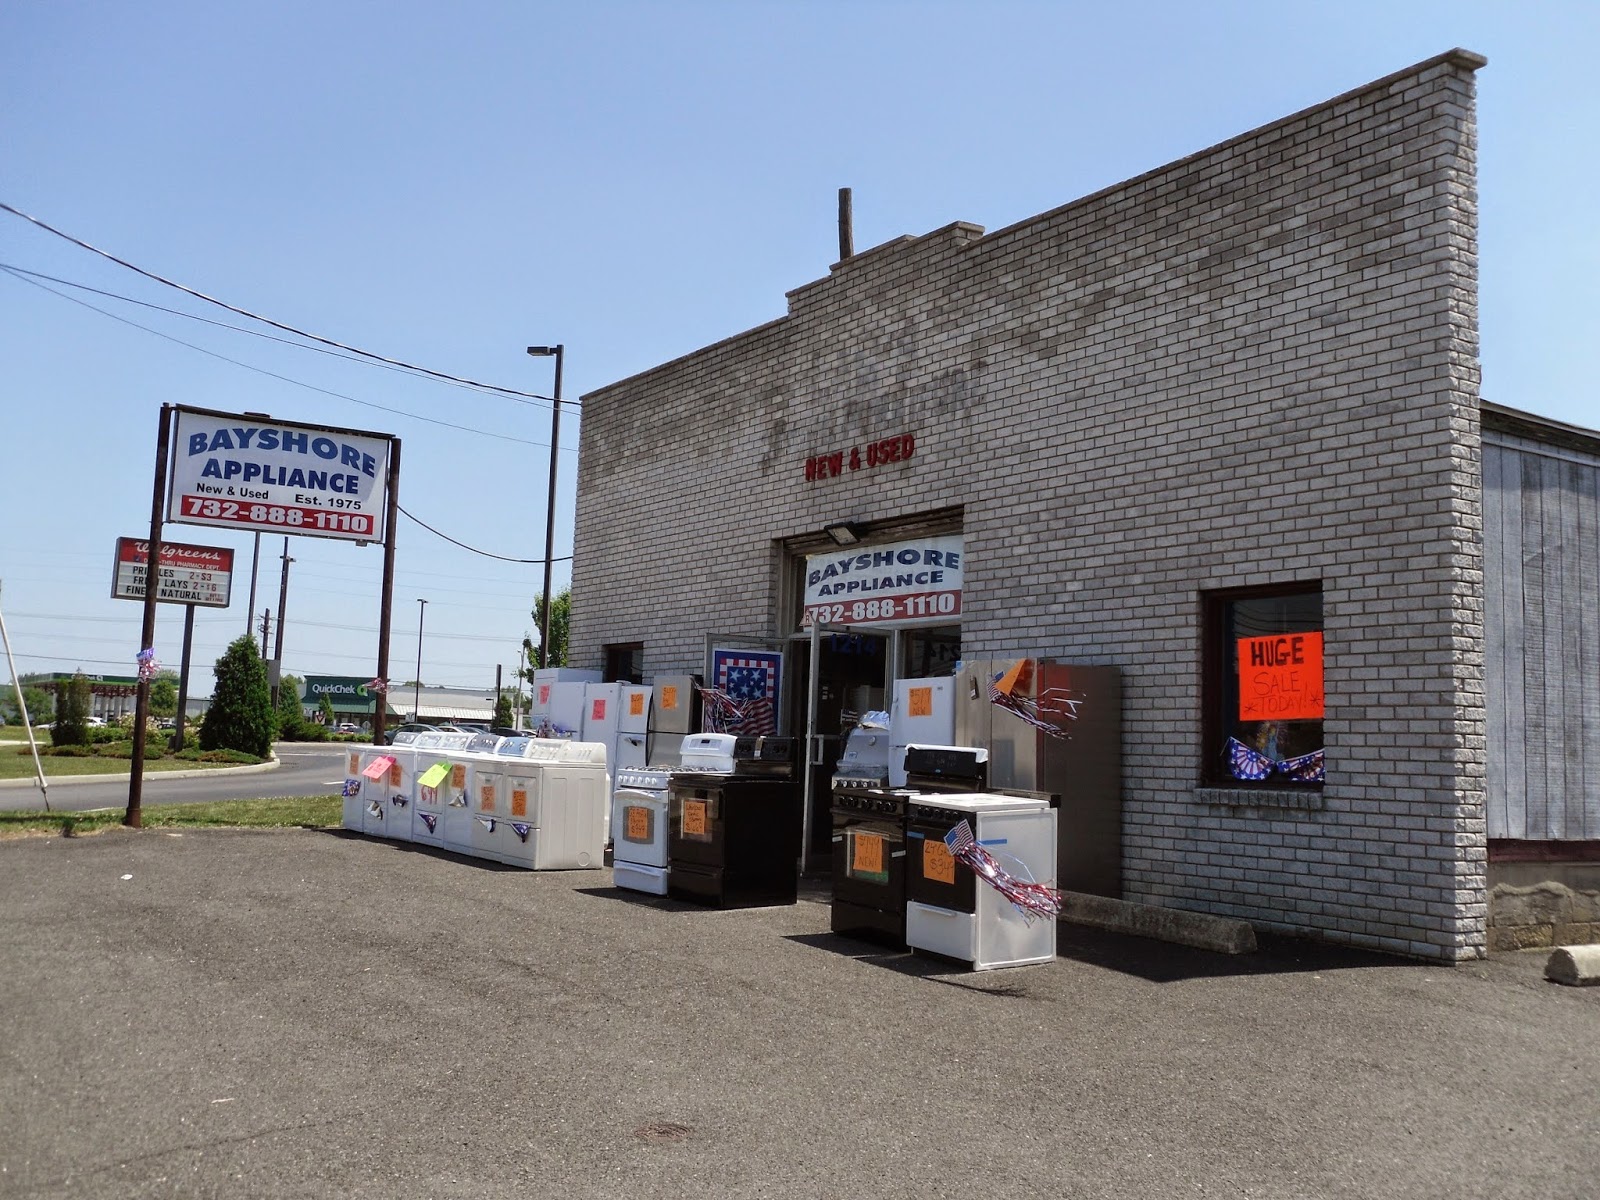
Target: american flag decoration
x,y
487,822
522,830
148,666
380,686
1051,711
352,787
1032,900
431,820
748,682
1244,762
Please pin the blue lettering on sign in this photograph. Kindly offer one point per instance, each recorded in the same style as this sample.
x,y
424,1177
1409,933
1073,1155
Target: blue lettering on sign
x,y
287,441
907,557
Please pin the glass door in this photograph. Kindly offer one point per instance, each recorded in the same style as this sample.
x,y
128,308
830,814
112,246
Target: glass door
x,y
843,671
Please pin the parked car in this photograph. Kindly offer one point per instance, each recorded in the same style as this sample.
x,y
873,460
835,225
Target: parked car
x,y
349,727
96,723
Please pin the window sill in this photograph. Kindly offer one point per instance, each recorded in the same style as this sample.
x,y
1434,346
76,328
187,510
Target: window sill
x,y
1304,799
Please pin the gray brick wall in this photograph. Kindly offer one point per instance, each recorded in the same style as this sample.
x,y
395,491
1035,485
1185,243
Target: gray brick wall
x,y
1256,365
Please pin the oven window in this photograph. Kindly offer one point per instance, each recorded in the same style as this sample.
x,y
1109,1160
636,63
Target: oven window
x,y
1263,688
638,824
866,856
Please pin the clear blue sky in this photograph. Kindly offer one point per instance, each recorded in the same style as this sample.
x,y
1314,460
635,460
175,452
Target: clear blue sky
x,y
447,184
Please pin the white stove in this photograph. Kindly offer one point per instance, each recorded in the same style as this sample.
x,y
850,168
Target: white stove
x,y
639,829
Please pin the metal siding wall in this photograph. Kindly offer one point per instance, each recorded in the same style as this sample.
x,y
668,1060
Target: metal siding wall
x,y
1542,612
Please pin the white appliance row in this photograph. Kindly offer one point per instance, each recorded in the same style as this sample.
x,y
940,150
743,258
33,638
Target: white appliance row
x,y
573,703
538,803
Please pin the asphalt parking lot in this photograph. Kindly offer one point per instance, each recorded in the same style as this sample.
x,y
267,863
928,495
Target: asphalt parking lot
x,y
313,1014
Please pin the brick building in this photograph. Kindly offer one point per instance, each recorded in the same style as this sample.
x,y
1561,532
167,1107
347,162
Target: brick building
x,y
1237,395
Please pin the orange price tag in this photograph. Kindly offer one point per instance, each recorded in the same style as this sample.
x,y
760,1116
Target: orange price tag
x,y
937,862
519,802
636,704
866,854
637,820
598,712
355,765
458,776
921,704
694,818
394,775
544,693
486,797
669,696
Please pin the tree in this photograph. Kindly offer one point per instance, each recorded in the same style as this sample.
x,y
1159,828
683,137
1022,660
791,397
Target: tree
x,y
164,695
560,619
325,707
503,716
41,704
240,716
291,716
73,701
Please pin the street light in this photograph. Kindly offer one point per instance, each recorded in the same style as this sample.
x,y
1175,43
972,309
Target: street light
x,y
416,693
550,504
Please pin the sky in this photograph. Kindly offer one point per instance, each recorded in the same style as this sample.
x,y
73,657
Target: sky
x,y
446,185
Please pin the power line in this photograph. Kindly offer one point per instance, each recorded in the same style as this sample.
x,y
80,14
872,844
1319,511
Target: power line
x,y
255,333
504,437
243,312
485,553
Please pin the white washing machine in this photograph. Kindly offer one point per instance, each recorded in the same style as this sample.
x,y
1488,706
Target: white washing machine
x,y
949,910
445,797
550,806
377,791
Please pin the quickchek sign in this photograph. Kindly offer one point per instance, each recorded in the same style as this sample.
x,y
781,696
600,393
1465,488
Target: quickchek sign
x,y
276,477
901,582
345,692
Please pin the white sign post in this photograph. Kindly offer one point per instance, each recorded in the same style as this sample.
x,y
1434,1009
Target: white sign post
x,y
240,472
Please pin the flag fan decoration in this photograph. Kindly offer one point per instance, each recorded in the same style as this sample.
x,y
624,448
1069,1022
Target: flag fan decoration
x,y
1031,899
742,694
1052,710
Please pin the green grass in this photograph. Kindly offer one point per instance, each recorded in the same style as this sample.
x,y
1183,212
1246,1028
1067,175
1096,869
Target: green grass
x,y
298,812
17,763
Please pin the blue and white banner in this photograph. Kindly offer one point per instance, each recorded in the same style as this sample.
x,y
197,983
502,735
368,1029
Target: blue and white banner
x,y
916,581
277,477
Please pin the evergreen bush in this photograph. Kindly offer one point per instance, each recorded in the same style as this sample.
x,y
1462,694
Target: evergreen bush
x,y
240,717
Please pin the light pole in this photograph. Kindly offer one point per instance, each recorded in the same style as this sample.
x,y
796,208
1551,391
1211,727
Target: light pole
x,y
416,692
550,504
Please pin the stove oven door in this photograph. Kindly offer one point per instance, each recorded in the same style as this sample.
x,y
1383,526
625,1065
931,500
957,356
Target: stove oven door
x,y
696,826
869,860
639,827
933,876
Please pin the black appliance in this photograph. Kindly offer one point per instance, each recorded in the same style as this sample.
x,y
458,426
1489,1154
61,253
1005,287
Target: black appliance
x,y
734,839
870,828
936,881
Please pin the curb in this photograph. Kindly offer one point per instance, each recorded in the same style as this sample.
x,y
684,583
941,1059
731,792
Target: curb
x,y
1201,930
249,769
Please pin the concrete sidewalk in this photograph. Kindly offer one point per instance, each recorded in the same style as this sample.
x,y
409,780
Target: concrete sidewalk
x,y
305,1014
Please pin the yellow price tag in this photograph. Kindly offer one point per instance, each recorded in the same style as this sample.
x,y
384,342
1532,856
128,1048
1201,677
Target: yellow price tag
x,y
937,862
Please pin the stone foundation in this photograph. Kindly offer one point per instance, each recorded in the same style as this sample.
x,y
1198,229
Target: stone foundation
x,y
1542,914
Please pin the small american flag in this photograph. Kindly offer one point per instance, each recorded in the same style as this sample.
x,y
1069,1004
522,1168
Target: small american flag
x,y
352,787
959,838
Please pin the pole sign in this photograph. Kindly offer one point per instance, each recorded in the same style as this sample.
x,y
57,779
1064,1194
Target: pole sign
x,y
241,472
201,575
915,581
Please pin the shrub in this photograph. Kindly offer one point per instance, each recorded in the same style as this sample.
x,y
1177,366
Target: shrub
x,y
240,716
71,727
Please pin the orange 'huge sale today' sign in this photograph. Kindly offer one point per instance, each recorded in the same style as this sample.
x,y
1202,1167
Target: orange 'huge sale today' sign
x,y
1280,677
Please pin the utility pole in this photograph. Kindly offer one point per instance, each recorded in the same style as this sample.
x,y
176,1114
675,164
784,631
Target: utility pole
x,y
283,604
266,629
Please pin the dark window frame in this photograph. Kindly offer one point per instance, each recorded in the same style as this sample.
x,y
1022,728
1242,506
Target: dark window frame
x,y
624,662
1215,657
